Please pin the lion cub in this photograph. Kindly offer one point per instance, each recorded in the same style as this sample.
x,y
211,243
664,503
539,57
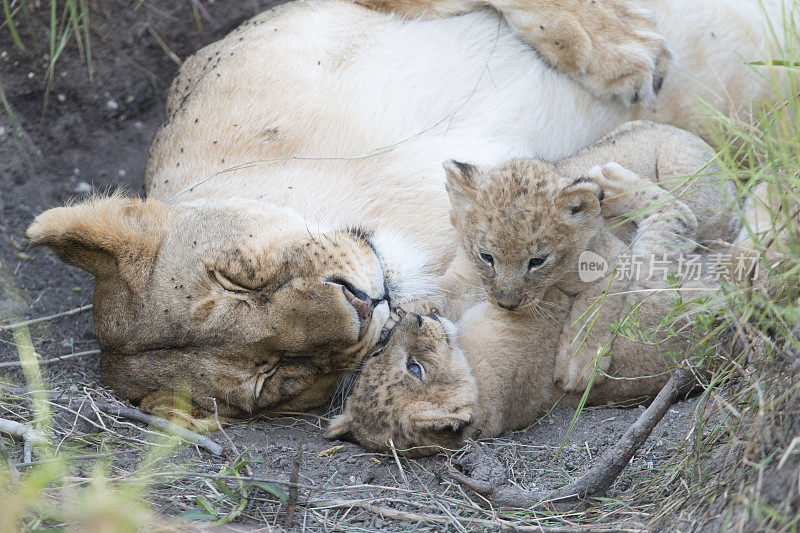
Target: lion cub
x,y
433,384
529,225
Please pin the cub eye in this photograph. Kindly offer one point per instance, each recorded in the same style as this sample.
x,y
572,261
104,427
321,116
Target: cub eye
x,y
227,284
377,349
537,261
414,367
486,258
575,209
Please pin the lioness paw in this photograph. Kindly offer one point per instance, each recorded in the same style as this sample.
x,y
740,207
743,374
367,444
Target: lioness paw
x,y
611,47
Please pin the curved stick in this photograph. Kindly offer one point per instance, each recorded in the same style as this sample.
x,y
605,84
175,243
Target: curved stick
x,y
607,468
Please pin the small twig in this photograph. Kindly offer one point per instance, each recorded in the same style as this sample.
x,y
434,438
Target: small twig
x,y
492,525
222,430
605,470
51,360
203,10
164,47
9,327
397,461
132,413
82,457
12,468
28,435
294,476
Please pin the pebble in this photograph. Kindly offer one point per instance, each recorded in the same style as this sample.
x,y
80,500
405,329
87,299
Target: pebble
x,y
30,75
61,98
2,132
4,55
83,188
112,105
121,173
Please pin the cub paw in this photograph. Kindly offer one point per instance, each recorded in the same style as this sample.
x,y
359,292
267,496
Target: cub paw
x,y
574,370
455,422
621,188
420,307
611,47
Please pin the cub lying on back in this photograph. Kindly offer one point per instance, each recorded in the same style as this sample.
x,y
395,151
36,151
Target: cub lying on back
x,y
525,225
435,383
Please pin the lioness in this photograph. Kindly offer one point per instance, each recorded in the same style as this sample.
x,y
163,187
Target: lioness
x,y
435,383
297,185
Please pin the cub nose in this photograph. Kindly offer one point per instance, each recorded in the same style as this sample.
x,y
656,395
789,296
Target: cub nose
x,y
363,305
415,316
508,305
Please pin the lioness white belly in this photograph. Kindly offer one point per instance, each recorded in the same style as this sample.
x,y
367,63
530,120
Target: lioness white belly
x,y
345,115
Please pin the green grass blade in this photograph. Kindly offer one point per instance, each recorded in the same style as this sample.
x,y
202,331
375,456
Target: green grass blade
x,y
12,29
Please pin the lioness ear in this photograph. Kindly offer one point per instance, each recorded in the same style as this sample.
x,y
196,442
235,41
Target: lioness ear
x,y
460,183
340,426
104,236
580,200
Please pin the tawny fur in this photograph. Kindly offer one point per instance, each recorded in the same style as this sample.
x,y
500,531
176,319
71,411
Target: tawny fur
x,y
524,224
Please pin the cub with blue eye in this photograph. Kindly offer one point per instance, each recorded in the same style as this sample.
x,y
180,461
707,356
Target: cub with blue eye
x,y
435,383
416,391
525,225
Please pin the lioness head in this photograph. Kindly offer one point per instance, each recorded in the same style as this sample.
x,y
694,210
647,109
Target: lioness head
x,y
522,224
417,391
238,300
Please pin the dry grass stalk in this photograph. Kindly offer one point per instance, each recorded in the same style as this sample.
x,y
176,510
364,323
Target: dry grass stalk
x,y
10,327
118,409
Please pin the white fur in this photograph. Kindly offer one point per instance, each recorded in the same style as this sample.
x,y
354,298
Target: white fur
x,y
366,107
407,269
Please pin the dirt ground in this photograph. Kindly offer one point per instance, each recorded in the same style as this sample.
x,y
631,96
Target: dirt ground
x,y
94,135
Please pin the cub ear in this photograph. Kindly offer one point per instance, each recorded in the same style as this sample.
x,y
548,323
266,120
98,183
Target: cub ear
x,y
340,426
580,200
460,183
106,236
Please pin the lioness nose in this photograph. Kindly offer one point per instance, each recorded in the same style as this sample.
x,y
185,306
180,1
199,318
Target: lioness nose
x,y
363,305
